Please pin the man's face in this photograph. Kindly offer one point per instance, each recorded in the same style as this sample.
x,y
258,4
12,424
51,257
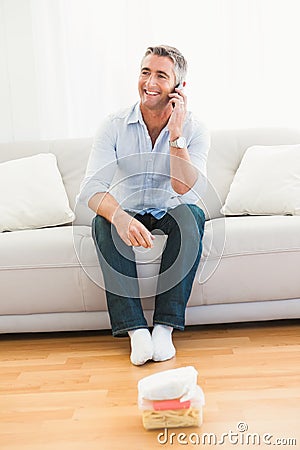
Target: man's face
x,y
156,81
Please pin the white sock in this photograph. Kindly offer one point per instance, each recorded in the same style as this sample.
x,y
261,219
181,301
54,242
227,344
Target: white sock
x,y
141,346
163,347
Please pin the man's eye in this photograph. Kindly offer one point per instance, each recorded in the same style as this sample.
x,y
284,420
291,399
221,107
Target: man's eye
x,y
161,76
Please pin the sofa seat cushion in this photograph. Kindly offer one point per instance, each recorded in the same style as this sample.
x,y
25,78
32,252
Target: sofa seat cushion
x,y
257,261
40,273
245,235
40,248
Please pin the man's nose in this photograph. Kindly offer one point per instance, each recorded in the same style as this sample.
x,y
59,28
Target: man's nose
x,y
151,81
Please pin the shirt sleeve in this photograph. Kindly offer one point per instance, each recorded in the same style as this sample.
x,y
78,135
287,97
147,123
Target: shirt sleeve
x,y
102,163
198,146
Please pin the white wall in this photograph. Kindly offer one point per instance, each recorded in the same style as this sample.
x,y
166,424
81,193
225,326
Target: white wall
x,y
19,118
65,64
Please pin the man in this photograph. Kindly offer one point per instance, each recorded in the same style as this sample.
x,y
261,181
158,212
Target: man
x,y
146,172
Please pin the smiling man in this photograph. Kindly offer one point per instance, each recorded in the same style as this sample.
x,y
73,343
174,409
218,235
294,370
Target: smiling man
x,y
146,172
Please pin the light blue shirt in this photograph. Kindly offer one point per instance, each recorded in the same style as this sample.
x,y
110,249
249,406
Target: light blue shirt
x,y
124,163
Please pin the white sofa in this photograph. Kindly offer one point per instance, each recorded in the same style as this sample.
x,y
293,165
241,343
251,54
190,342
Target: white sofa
x,y
50,279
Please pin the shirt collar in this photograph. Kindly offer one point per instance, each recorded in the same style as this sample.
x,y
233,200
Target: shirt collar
x,y
136,114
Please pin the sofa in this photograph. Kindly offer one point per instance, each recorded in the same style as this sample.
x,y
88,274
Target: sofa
x,y
50,279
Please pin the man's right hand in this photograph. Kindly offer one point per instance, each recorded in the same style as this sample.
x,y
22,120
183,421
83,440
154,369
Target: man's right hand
x,y
131,231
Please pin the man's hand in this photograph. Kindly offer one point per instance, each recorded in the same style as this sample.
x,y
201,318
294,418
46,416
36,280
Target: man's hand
x,y
176,121
131,231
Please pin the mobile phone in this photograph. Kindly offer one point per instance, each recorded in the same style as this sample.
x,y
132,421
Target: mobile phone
x,y
179,86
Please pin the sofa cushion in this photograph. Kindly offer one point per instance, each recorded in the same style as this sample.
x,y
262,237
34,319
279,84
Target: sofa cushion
x,y
245,235
258,260
50,270
225,155
40,272
266,182
32,194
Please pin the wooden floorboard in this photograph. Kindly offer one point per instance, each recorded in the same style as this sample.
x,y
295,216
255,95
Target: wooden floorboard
x,y
78,391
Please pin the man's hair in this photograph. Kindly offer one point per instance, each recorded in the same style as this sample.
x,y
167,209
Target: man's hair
x,y
180,63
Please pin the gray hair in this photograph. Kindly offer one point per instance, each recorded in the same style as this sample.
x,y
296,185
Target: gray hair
x,y
180,63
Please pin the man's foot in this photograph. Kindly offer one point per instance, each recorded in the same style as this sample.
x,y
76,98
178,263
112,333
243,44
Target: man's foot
x,y
141,346
163,347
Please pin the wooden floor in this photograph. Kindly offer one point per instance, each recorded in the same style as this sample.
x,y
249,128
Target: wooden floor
x,y
78,391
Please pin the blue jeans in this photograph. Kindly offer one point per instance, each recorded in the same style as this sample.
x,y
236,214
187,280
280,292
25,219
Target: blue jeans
x,y
184,226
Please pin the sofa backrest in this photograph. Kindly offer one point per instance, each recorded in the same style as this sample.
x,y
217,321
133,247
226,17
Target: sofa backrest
x,y
225,155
